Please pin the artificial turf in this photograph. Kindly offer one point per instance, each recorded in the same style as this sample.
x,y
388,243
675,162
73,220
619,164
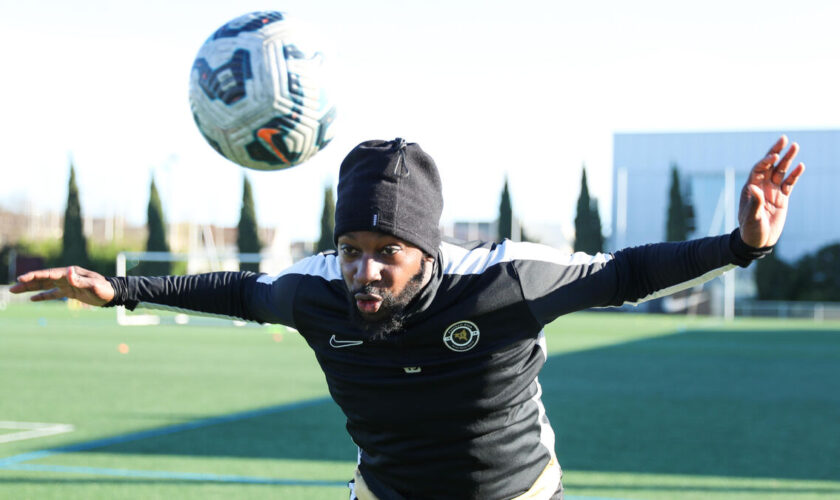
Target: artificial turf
x,y
644,407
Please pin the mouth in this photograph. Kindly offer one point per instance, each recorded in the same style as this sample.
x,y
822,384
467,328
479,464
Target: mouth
x,y
368,303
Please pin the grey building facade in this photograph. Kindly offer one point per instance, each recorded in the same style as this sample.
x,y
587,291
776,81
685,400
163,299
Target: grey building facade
x,y
713,167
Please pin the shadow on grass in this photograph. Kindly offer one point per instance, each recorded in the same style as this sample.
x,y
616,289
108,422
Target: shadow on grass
x,y
310,432
739,403
676,489
734,404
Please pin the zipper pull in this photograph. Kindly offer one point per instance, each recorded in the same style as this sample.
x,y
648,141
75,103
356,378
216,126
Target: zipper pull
x,y
401,144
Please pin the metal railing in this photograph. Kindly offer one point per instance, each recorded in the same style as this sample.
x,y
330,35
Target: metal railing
x,y
818,311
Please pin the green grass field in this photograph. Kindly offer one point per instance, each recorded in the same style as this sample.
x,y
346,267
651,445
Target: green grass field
x,y
644,407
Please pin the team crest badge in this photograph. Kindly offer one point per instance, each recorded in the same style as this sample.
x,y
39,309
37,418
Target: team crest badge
x,y
461,336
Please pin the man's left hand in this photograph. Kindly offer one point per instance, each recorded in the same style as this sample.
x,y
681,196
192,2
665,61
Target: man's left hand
x,y
764,198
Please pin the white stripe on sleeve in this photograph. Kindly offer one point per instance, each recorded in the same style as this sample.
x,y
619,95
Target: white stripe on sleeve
x,y
458,260
325,266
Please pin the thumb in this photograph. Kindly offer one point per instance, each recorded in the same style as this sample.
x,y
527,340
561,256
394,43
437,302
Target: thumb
x,y
73,277
755,202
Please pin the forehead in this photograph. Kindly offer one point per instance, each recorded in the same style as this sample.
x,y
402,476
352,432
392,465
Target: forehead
x,y
371,238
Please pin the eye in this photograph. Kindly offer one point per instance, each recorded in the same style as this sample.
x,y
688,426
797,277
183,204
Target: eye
x,y
391,250
348,250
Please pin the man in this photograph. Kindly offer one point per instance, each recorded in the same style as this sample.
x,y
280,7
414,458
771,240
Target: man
x,y
432,349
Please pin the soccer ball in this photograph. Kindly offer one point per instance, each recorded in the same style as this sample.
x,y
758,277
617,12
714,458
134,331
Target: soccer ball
x,y
257,92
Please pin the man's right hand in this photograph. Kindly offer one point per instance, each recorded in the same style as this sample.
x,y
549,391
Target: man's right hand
x,y
72,282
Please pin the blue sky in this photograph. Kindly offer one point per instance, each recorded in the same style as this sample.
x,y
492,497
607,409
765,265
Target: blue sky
x,y
528,89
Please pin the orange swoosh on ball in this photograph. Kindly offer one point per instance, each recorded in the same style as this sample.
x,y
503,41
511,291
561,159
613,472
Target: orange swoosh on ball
x,y
267,134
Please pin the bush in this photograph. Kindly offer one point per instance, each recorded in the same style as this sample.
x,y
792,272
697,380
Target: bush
x,y
814,277
5,256
774,278
818,275
49,250
102,258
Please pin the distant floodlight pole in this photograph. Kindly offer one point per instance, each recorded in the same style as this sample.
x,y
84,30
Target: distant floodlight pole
x,y
12,264
729,278
620,208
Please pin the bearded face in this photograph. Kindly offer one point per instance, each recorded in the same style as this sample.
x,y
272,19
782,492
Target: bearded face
x,y
389,318
383,274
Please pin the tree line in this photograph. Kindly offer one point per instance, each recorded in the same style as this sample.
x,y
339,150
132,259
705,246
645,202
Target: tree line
x,y
814,277
74,249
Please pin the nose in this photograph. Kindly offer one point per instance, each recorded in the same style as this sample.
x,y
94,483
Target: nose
x,y
368,270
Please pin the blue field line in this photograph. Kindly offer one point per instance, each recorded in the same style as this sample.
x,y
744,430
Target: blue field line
x,y
173,476
162,431
192,476
17,462
575,497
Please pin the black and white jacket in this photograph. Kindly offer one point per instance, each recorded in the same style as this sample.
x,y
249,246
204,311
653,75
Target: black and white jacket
x,y
450,407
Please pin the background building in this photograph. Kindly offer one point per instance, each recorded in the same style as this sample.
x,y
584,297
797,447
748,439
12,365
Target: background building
x,y
713,167
641,178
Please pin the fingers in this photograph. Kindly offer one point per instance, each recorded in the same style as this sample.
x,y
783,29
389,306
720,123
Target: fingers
x,y
761,170
787,185
42,279
53,294
780,169
773,167
52,273
31,285
65,282
73,276
778,146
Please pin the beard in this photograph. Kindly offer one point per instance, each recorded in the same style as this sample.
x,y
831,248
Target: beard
x,y
390,317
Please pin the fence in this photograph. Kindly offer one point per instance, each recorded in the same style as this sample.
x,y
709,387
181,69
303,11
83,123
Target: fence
x,y
818,311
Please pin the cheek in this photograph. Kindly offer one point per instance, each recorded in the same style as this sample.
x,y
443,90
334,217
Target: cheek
x,y
400,277
347,272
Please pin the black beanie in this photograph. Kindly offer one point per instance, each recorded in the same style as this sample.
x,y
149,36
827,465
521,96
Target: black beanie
x,y
392,187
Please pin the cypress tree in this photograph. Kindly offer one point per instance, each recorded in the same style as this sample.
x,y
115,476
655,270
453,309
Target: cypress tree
x,y
505,226
775,278
325,242
156,241
247,237
526,237
680,220
826,276
815,277
588,237
73,241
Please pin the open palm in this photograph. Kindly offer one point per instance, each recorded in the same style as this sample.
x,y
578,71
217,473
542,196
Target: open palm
x,y
764,198
65,282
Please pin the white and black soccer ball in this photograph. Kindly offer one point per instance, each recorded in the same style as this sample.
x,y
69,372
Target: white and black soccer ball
x,y
258,92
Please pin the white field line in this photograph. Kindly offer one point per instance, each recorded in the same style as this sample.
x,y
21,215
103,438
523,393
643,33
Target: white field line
x,y
31,430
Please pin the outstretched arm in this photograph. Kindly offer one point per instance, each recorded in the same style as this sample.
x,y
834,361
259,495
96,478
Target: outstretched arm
x,y
764,197
234,294
642,273
66,282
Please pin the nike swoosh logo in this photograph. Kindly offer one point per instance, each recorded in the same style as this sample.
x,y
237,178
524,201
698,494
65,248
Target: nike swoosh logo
x,y
338,344
267,136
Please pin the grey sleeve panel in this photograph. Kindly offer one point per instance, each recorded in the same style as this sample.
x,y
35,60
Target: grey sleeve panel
x,y
272,301
632,275
552,289
235,294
